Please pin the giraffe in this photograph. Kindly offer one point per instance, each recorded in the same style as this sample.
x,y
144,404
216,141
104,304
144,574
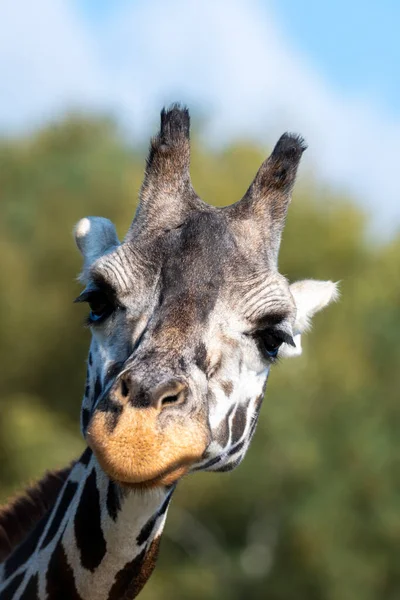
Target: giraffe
x,y
187,316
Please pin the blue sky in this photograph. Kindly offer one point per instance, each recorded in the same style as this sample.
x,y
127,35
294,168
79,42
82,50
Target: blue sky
x,y
255,67
354,42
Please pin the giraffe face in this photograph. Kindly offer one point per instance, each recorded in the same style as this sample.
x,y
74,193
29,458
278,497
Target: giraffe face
x,y
187,316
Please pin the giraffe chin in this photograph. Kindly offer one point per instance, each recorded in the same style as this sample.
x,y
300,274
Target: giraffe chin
x,y
138,453
164,480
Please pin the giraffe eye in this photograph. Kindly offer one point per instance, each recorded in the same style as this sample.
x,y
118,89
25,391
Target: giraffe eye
x,y
100,304
269,344
100,307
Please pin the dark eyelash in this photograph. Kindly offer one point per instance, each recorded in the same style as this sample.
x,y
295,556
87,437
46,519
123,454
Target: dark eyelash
x,y
269,340
283,337
279,334
84,296
89,296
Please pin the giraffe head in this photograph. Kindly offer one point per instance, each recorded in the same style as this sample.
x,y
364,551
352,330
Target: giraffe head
x,y
187,315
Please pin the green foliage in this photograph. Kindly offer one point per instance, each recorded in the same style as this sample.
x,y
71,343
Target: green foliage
x,y
312,514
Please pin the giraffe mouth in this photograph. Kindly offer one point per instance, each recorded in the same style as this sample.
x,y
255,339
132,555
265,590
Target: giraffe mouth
x,y
166,479
139,453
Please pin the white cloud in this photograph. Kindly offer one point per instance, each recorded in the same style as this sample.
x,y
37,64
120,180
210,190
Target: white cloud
x,y
46,63
227,58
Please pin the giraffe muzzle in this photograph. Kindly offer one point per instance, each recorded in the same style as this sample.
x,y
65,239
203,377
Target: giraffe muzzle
x,y
143,436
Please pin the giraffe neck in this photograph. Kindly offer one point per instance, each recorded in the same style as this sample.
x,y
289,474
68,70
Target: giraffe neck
x,y
97,541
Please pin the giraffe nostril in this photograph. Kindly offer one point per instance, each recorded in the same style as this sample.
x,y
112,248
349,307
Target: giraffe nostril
x,y
124,387
173,399
172,393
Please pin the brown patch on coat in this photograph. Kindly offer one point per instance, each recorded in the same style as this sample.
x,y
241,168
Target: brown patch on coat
x,y
214,365
8,592
60,579
140,452
239,422
149,563
31,591
227,386
223,431
130,580
20,516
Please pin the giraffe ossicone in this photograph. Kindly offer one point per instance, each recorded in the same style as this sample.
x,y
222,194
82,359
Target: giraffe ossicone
x,y
187,314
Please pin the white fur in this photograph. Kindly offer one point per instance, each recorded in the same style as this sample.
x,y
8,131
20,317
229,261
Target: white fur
x,y
310,296
94,237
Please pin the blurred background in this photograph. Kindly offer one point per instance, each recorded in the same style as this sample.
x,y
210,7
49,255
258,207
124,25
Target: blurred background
x,y
313,512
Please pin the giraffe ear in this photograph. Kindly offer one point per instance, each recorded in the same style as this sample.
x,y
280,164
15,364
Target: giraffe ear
x,y
310,296
94,237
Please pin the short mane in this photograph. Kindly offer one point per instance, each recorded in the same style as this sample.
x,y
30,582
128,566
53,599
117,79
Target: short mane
x,y
20,516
